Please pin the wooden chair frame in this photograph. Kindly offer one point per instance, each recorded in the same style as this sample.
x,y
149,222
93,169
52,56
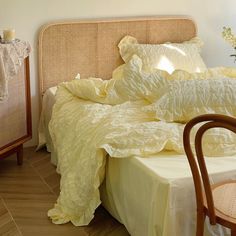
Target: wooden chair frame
x,y
204,199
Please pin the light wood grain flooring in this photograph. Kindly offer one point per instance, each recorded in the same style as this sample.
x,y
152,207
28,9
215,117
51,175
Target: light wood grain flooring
x,y
28,191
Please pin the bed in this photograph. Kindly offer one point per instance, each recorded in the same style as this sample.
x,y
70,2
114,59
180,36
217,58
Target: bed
x,y
150,196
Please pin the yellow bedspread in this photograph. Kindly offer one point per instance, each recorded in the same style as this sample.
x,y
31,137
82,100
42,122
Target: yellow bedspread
x,y
93,117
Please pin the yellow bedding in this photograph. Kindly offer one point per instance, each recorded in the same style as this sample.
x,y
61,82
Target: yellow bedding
x,y
93,117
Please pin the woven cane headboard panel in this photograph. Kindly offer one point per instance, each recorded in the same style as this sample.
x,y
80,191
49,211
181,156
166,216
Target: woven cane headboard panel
x,y
90,47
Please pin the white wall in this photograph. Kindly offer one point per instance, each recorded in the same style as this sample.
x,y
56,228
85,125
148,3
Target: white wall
x,y
26,16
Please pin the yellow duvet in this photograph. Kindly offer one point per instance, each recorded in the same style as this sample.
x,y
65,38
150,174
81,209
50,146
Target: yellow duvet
x,y
134,113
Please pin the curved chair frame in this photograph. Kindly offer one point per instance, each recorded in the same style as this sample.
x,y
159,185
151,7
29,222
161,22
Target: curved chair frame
x,y
204,199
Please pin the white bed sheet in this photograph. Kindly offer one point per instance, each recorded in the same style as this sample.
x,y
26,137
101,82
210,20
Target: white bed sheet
x,y
151,196
155,195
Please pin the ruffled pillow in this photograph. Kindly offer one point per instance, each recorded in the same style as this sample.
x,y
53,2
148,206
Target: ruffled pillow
x,y
182,100
168,56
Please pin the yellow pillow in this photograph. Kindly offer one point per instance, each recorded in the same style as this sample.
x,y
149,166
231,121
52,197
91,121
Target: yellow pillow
x,y
184,99
168,56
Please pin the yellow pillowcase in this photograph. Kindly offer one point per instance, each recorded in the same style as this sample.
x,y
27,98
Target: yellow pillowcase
x,y
184,99
168,56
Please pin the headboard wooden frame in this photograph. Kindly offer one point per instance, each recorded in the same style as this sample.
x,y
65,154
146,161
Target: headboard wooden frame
x,y
90,47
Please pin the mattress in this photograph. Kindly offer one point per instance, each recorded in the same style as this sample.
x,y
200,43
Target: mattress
x,y
151,196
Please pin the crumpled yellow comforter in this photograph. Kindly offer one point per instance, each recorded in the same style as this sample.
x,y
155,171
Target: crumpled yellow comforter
x,y
93,117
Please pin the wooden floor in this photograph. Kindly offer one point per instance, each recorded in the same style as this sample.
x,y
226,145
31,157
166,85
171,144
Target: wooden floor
x,y
26,194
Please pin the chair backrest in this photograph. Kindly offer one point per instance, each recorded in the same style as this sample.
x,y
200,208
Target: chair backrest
x,y
198,168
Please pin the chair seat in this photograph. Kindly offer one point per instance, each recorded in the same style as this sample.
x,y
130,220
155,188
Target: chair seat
x,y
224,196
221,197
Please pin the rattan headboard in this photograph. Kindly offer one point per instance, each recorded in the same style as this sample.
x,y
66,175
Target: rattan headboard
x,y
90,47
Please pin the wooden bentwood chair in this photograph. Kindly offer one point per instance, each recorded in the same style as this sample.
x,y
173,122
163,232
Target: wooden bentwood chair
x,y
217,201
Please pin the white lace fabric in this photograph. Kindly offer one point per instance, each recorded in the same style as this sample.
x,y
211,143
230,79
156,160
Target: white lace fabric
x,y
12,56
